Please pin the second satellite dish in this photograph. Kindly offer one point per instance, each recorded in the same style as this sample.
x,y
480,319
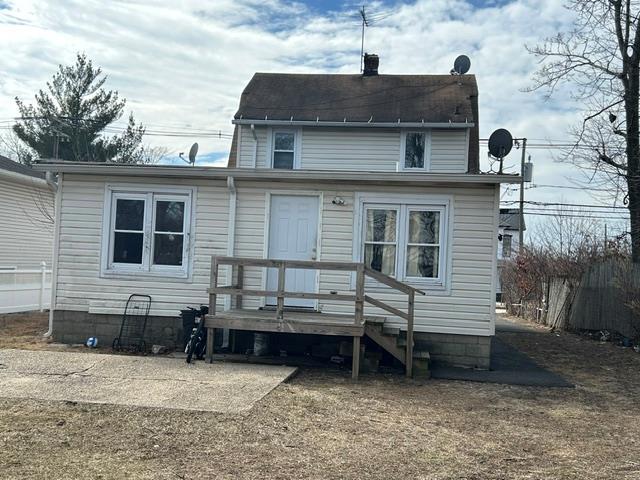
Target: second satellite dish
x,y
500,143
192,153
461,65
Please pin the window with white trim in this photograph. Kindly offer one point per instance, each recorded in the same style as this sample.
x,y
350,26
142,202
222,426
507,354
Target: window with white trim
x,y
406,241
415,151
284,149
147,232
506,246
381,239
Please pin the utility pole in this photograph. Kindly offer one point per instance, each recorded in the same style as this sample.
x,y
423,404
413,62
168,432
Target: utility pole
x,y
521,229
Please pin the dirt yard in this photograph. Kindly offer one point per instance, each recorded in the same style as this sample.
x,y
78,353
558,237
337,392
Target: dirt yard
x,y
320,425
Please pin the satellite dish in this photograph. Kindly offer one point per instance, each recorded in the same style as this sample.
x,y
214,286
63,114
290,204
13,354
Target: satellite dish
x,y
192,153
500,143
461,65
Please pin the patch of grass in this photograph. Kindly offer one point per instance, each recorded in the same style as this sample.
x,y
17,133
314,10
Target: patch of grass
x,y
320,425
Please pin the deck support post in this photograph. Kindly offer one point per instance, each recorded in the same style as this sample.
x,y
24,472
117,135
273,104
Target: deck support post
x,y
359,311
409,351
355,364
281,278
213,298
240,284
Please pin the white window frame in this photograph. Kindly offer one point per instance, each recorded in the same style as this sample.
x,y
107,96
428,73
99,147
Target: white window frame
x,y
406,203
150,194
297,144
380,206
504,236
427,150
441,209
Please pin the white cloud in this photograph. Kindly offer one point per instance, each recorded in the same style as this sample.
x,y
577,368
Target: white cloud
x,y
184,64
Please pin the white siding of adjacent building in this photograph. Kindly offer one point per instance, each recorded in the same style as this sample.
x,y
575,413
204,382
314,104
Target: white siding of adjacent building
x,y
369,149
26,231
465,308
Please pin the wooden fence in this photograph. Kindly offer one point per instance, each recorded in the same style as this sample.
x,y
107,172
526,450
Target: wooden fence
x,y
598,301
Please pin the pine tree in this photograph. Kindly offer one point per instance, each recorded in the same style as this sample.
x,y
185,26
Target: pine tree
x,y
69,119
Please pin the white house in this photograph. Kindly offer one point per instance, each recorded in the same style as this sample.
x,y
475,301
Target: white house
x,y
508,241
379,170
26,237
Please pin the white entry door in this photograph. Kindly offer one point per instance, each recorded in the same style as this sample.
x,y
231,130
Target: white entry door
x,y
293,235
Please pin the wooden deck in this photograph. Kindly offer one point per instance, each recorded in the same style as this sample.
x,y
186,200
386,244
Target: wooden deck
x,y
306,322
291,322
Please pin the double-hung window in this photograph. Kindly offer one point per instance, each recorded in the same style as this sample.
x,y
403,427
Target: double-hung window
x,y
506,246
381,239
284,149
147,232
404,240
416,146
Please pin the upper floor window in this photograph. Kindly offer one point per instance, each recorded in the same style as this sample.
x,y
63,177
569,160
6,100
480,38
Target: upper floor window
x,y
147,232
415,150
506,246
284,149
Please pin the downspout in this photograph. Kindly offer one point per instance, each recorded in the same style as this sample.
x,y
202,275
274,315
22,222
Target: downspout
x,y
56,247
231,240
51,182
255,146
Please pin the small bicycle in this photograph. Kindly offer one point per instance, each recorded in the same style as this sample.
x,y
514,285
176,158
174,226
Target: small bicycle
x,y
197,343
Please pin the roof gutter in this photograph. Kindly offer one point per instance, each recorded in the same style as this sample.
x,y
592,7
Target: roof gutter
x,y
276,175
23,179
345,123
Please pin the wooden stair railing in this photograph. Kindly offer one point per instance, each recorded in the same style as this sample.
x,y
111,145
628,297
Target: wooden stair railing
x,y
280,294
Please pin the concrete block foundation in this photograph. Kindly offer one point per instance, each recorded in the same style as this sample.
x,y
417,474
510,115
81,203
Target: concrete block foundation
x,y
470,351
75,327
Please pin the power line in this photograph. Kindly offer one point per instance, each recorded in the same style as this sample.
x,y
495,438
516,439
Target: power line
x,y
572,215
549,204
536,185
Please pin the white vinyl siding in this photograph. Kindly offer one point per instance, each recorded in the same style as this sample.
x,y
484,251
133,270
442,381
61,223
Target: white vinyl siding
x,y
26,223
372,149
465,307
368,149
246,143
79,284
449,151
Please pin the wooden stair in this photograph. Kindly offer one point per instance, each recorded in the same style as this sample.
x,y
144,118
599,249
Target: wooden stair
x,y
392,340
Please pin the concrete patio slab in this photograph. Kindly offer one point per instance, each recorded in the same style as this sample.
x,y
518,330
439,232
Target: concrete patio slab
x,y
136,381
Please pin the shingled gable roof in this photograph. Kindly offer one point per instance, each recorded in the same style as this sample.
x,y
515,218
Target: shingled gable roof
x,y
446,100
358,98
510,219
14,167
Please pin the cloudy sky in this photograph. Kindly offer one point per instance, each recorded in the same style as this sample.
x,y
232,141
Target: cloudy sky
x,y
183,64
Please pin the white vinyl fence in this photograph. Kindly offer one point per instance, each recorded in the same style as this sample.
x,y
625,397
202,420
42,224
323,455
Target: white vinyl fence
x,y
23,290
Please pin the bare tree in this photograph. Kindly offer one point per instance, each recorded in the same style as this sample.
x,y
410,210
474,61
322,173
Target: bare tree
x,y
600,60
152,155
14,148
569,234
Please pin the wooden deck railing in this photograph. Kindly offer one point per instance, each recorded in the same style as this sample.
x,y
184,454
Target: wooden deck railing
x,y
280,294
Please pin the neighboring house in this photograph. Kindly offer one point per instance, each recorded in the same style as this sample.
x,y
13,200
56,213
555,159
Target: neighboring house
x,y
380,169
508,241
26,235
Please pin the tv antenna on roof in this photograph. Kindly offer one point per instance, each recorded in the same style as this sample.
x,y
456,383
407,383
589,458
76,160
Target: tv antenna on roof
x,y
369,19
365,23
193,151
